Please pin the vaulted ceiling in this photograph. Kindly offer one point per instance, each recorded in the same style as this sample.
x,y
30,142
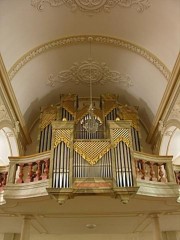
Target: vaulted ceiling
x,y
46,46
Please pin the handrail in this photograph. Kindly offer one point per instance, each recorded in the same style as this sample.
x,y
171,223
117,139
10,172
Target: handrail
x,y
152,157
29,158
4,168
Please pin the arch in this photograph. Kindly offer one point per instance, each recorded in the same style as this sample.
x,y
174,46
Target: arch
x,y
170,143
8,145
100,39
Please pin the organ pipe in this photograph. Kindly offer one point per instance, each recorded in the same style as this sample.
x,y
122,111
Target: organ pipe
x,y
117,159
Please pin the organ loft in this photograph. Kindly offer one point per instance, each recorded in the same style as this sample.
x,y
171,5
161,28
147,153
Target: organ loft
x,y
92,147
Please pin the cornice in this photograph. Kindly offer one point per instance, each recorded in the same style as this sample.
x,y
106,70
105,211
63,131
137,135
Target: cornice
x,y
11,100
72,40
168,101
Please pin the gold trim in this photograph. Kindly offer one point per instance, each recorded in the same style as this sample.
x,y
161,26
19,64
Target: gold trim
x,y
66,41
130,113
92,151
121,135
122,139
48,115
81,113
62,135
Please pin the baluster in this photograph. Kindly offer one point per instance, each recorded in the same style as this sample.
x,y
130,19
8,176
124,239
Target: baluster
x,y
38,171
45,174
138,169
177,175
1,179
30,173
143,169
4,179
152,172
161,174
20,179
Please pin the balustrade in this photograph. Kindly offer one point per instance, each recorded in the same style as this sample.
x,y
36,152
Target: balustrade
x,y
3,176
29,168
153,168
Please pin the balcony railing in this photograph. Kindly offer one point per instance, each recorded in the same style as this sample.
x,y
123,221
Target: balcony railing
x,y
153,167
31,176
27,169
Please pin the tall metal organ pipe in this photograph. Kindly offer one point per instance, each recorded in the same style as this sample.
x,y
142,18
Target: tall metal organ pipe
x,y
61,166
123,164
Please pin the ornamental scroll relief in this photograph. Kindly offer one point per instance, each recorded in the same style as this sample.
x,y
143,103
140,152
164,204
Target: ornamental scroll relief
x,y
90,6
62,42
82,72
3,111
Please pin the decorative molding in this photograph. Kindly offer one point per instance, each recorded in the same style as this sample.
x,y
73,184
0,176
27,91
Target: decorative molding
x,y
72,40
90,6
167,104
82,72
12,106
162,129
3,112
175,113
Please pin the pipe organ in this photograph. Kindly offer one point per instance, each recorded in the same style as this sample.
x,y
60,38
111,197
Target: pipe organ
x,y
78,154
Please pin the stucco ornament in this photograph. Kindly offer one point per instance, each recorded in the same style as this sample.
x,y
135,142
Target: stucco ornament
x,y
92,6
81,74
63,42
175,113
3,112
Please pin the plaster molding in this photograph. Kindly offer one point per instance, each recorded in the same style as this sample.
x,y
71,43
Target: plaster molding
x,y
168,103
90,6
99,73
175,113
98,39
3,111
11,104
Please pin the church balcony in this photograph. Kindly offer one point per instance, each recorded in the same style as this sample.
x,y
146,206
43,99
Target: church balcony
x,y
32,176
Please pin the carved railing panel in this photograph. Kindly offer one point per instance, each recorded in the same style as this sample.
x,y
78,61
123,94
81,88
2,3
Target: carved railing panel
x,y
153,168
29,168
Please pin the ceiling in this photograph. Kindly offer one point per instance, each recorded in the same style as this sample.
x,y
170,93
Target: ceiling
x,y
112,217
134,46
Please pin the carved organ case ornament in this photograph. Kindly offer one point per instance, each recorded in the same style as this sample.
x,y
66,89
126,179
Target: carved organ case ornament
x,y
78,154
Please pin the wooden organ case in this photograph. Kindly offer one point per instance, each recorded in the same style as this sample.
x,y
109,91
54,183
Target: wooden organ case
x,y
101,161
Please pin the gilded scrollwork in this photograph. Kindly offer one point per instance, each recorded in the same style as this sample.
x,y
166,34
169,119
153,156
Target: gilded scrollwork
x,y
47,116
92,151
62,135
130,113
121,134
